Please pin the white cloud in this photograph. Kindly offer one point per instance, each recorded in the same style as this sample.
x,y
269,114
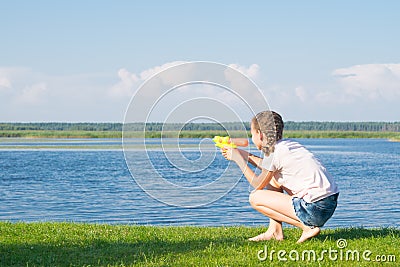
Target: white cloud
x,y
10,77
252,71
361,92
125,87
4,82
211,81
152,71
22,85
301,93
27,95
241,82
33,95
370,81
130,81
245,86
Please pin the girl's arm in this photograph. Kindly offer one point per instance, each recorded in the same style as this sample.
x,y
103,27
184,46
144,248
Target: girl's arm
x,y
257,181
252,159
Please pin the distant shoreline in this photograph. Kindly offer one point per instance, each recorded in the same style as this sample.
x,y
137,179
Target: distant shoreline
x,y
392,136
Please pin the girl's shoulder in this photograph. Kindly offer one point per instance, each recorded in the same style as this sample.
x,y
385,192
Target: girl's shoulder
x,y
287,145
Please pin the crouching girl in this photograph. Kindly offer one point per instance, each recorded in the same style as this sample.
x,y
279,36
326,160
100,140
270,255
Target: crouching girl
x,y
288,166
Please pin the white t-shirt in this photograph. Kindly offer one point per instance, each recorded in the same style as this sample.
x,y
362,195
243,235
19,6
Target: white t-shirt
x,y
299,171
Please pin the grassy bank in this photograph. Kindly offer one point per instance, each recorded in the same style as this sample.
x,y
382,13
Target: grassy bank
x,y
60,134
71,244
394,136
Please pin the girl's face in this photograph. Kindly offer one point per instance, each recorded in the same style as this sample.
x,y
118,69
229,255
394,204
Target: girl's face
x,y
256,137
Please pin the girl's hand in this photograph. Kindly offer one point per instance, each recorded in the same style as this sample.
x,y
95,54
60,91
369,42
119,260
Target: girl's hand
x,y
230,153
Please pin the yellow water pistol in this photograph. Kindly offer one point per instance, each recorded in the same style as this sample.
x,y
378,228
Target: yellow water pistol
x,y
226,141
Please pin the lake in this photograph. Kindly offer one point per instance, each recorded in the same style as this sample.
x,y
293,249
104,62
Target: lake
x,y
88,180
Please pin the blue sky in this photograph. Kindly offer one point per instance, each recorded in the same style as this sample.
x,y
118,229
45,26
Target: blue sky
x,y
313,60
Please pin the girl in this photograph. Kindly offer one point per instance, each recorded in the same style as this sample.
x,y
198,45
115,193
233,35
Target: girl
x,y
287,166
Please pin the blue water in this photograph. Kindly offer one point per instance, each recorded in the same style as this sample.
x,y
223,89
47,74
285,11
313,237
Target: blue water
x,y
95,185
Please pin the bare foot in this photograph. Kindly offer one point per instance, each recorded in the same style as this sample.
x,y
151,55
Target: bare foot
x,y
309,233
268,235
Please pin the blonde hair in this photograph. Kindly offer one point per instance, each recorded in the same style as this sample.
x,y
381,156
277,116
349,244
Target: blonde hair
x,y
270,124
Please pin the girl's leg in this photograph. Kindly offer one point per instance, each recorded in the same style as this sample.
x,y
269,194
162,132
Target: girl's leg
x,y
278,207
275,230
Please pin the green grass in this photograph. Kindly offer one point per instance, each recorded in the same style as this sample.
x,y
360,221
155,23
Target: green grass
x,y
112,134
394,136
75,244
60,134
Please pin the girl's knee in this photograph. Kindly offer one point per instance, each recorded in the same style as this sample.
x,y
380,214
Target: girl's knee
x,y
253,197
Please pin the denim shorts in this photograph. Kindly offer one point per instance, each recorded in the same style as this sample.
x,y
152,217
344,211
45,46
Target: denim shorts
x,y
316,213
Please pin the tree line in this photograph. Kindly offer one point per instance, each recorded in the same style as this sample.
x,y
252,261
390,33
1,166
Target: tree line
x,y
343,126
154,126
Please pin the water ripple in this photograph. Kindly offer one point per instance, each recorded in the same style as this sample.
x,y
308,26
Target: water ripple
x,y
87,185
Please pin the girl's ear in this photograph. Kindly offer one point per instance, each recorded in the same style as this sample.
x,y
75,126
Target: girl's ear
x,y
260,134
